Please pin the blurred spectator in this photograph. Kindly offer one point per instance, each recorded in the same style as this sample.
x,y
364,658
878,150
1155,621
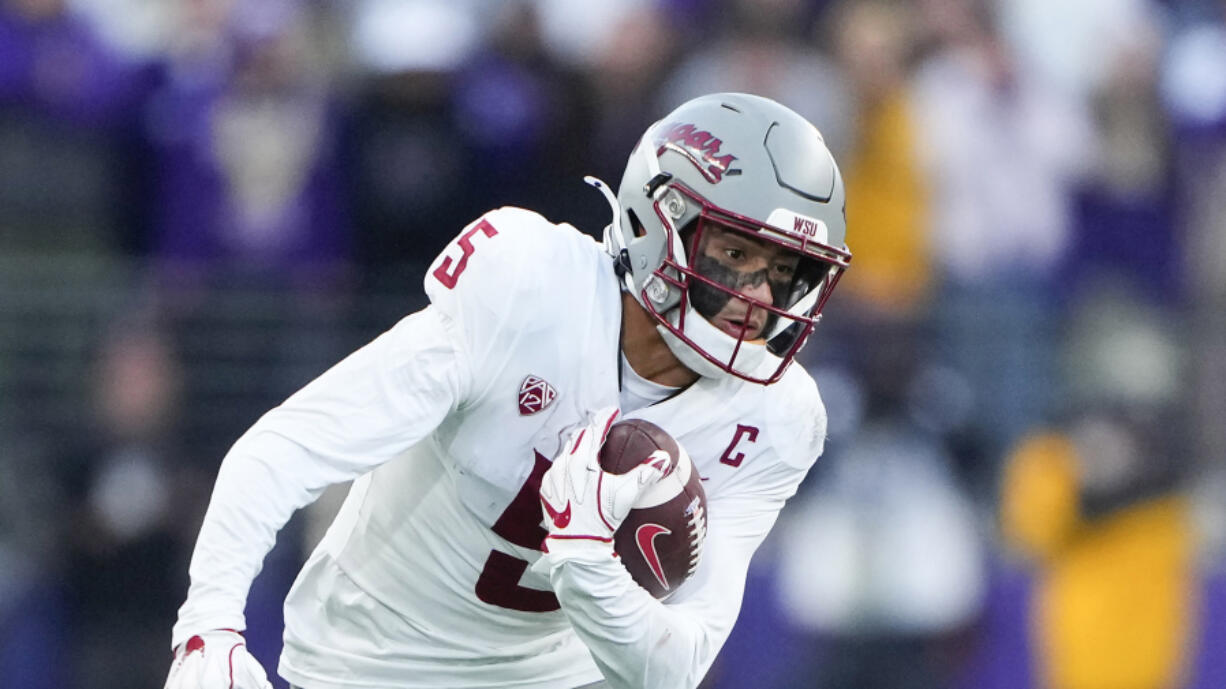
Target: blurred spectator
x,y
400,36
1097,505
129,503
1115,603
1002,152
67,103
1075,46
138,29
882,561
244,134
525,134
1194,93
406,156
406,168
628,68
1125,225
578,34
53,64
767,47
35,647
886,195
440,138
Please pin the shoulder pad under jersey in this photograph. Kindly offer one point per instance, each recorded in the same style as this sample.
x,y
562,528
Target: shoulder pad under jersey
x,y
797,414
512,272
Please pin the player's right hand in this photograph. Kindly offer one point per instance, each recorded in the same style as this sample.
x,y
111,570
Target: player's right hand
x,y
583,504
216,660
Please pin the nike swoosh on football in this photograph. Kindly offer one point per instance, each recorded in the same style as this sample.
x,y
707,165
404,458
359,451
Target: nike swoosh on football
x,y
645,536
560,519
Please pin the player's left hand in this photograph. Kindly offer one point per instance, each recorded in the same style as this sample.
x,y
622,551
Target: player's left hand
x,y
216,659
583,504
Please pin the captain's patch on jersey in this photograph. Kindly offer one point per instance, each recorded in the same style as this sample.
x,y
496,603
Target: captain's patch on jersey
x,y
535,394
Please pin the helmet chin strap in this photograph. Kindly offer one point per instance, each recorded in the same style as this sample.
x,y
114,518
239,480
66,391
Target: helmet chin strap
x,y
614,241
751,359
613,238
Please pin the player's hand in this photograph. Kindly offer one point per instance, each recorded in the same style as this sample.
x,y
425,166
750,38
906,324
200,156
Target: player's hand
x,y
583,504
216,660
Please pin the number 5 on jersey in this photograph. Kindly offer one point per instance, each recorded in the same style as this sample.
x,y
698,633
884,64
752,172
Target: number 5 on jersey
x,y
519,523
448,272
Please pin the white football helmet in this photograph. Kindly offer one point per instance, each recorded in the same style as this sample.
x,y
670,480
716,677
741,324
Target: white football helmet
x,y
741,163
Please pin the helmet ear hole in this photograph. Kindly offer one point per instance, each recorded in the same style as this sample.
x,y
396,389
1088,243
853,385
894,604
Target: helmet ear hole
x,y
636,225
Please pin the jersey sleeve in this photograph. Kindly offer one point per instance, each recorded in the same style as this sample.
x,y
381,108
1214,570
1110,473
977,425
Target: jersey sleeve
x,y
374,404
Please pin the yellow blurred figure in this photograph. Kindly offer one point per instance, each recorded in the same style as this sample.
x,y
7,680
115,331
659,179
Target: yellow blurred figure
x,y
884,189
884,193
1114,608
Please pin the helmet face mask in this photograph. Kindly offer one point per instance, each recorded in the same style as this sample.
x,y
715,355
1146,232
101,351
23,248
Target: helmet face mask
x,y
730,269
722,180
712,290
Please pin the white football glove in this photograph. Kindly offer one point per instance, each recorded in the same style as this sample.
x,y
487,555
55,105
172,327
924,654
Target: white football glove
x,y
216,660
583,504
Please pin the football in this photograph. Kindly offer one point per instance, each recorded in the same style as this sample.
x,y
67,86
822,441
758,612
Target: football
x,y
660,541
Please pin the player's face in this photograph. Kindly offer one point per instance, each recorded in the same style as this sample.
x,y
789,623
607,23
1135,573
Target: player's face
x,y
757,270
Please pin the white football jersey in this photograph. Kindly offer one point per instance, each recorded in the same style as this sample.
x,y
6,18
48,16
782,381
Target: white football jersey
x,y
448,421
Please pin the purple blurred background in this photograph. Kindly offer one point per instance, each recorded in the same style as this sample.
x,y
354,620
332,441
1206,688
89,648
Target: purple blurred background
x,y
204,203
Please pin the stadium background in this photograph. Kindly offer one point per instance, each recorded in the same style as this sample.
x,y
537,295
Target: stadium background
x,y
204,203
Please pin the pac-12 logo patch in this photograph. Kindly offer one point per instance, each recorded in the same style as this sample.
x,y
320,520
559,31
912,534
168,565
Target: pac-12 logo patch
x,y
535,394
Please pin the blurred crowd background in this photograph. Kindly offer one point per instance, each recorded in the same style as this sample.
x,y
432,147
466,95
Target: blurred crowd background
x,y
205,203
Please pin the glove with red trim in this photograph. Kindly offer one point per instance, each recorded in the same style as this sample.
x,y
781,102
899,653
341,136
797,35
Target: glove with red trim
x,y
583,504
216,660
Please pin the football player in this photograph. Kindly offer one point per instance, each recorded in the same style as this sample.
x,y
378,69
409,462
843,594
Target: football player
x,y
440,569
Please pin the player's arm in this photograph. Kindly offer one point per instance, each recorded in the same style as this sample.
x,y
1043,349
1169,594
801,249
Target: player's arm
x,y
636,640
368,408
